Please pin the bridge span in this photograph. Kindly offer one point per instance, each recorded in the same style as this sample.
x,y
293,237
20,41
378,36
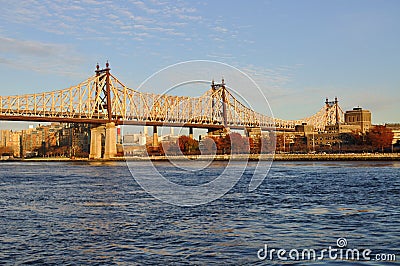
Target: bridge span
x,y
105,101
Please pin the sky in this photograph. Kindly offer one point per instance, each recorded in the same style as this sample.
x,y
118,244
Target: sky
x,y
298,52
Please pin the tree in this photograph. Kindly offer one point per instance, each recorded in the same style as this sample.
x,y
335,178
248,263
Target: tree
x,y
353,138
208,146
380,137
222,144
188,145
238,143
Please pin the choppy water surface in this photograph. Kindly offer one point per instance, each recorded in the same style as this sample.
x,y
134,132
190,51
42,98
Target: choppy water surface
x,y
65,213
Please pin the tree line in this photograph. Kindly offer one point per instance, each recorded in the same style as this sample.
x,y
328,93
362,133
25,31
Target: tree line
x,y
378,139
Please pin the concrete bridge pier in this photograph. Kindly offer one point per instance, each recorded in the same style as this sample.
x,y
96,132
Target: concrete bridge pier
x,y
191,132
110,149
155,136
95,142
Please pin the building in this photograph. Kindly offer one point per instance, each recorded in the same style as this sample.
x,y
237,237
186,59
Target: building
x,y
356,120
304,129
10,142
359,117
331,135
39,140
138,139
323,139
80,139
55,139
342,128
396,132
135,144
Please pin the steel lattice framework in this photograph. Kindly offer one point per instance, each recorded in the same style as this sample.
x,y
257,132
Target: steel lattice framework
x,y
103,98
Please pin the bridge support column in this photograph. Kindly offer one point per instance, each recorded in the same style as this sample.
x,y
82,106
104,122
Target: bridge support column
x,y
95,142
110,149
191,132
155,136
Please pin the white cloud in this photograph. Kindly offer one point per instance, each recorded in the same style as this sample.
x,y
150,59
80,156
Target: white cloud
x,y
220,56
87,18
145,8
137,20
221,29
39,56
272,81
11,45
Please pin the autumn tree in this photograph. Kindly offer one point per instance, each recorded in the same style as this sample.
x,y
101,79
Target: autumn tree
x,y
223,144
238,143
380,137
353,142
351,138
188,145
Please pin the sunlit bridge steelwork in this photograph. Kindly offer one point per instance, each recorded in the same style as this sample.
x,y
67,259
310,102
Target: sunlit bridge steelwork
x,y
104,100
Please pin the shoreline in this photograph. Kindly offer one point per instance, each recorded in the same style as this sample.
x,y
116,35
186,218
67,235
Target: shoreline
x,y
276,157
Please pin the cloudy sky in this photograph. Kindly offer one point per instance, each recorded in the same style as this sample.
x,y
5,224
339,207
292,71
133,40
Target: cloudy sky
x,y
299,52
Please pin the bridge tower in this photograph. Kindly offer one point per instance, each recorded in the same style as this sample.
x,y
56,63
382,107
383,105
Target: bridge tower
x,y
332,115
103,91
216,105
337,111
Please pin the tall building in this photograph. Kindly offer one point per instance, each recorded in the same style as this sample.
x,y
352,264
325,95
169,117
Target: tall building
x,y
359,117
75,137
10,140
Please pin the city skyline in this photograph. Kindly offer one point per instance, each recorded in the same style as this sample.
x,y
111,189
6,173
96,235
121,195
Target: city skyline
x,y
298,52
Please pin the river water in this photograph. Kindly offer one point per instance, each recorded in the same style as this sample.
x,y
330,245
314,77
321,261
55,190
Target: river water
x,y
95,213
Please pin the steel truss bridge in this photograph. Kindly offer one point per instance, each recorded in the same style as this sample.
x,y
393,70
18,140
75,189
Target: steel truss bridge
x,y
102,99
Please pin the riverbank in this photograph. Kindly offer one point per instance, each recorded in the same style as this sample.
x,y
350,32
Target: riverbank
x,y
252,157
338,157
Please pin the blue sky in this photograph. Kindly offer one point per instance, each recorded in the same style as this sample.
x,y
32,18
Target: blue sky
x,y
299,52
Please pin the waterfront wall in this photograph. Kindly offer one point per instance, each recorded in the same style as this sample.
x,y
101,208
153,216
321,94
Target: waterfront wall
x,y
239,157
338,157
288,157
